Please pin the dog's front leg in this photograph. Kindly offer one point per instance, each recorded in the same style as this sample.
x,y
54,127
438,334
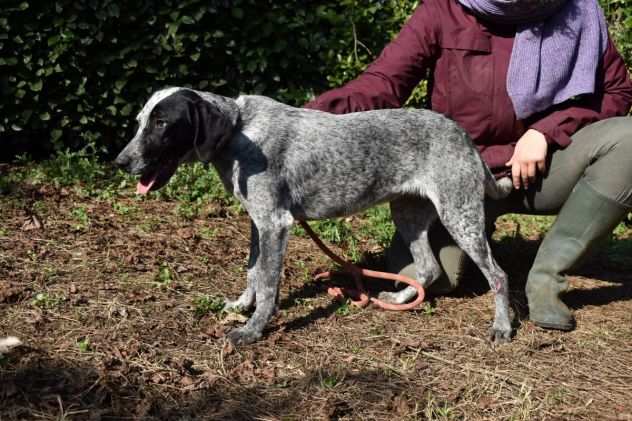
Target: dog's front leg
x,y
246,300
269,245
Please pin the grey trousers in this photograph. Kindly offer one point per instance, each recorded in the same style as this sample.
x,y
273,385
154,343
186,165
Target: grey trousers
x,y
600,153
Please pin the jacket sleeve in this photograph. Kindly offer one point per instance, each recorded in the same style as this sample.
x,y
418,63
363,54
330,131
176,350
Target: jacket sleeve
x,y
389,80
615,99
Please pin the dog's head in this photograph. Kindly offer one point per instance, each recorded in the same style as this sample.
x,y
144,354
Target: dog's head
x,y
173,124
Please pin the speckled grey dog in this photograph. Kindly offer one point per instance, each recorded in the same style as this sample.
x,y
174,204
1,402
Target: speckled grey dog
x,y
286,164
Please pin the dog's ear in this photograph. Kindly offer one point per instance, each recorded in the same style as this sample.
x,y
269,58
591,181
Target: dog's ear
x,y
213,127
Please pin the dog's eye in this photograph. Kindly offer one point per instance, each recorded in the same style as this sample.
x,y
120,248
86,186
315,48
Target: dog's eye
x,y
161,124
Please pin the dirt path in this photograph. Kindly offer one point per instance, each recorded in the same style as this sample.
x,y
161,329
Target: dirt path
x,y
112,299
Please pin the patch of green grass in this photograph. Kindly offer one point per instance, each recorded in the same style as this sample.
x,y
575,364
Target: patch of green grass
x,y
428,309
165,276
208,233
378,225
84,345
526,226
123,209
66,168
624,229
375,224
149,225
84,170
188,211
80,215
344,309
439,411
40,207
303,302
306,273
330,381
335,231
50,272
207,304
196,184
46,301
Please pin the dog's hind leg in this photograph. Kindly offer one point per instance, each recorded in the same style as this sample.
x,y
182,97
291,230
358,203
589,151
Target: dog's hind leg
x,y
246,300
465,221
269,238
413,217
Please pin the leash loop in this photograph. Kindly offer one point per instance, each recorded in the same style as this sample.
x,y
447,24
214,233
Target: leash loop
x,y
359,295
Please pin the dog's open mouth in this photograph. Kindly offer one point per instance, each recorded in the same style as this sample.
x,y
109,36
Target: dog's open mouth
x,y
156,178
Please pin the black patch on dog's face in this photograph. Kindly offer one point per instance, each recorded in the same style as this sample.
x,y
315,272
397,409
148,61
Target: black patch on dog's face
x,y
170,131
171,128
168,136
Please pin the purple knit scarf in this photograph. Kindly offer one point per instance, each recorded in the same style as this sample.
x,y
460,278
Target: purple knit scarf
x,y
557,49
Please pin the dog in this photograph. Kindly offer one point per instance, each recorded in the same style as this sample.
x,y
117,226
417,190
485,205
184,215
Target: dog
x,y
287,164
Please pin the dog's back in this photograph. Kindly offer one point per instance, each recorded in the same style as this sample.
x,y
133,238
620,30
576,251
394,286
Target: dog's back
x,y
337,164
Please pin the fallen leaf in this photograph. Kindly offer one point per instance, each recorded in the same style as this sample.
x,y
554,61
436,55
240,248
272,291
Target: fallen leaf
x,y
401,405
185,233
186,381
234,317
228,347
216,331
211,378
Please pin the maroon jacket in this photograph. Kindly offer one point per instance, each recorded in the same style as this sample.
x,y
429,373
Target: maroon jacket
x,y
467,63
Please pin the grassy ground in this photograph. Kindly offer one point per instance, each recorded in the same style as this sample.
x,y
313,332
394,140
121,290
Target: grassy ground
x,y
117,298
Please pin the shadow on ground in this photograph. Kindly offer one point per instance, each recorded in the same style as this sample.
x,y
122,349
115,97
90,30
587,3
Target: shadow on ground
x,y
47,388
516,255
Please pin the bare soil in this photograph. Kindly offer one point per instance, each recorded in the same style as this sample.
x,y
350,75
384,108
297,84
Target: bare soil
x,y
104,294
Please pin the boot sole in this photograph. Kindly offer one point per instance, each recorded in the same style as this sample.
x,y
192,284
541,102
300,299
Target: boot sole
x,y
553,326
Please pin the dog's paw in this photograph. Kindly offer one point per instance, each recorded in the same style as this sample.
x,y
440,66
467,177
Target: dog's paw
x,y
239,305
391,297
233,307
499,336
243,336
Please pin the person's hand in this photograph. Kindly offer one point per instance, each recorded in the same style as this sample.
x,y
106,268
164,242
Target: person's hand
x,y
529,158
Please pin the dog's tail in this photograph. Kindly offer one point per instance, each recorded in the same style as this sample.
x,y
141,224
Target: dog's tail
x,y
497,189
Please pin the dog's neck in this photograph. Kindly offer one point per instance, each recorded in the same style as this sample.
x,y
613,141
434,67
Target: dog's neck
x,y
226,105
229,108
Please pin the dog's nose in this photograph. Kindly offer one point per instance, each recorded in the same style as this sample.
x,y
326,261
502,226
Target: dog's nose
x,y
122,161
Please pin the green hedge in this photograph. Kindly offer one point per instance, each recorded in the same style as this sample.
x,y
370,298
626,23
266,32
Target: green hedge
x,y
76,72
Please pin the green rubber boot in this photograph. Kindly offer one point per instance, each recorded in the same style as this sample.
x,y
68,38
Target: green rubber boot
x,y
585,219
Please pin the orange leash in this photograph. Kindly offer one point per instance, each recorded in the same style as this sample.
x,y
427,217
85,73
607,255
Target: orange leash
x,y
359,295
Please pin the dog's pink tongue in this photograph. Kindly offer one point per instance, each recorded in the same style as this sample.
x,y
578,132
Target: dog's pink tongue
x,y
144,185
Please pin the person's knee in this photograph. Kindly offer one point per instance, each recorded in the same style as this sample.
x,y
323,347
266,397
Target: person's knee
x,y
611,173
614,133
